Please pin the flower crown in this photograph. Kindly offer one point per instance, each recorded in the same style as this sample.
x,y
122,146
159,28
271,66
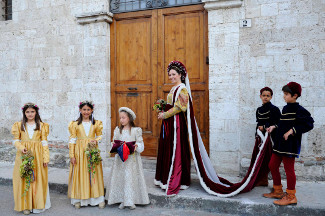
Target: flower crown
x,y
86,102
178,65
29,105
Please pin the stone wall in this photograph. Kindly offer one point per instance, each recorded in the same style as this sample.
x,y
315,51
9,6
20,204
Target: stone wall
x,y
56,53
49,59
2,10
285,43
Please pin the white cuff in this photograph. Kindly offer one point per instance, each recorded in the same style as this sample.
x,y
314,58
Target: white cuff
x,y
140,147
45,143
73,140
14,141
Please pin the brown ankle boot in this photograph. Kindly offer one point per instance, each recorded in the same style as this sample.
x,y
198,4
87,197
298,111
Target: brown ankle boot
x,y
288,199
277,192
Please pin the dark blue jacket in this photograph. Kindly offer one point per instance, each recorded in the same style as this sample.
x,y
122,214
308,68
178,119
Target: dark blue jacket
x,y
298,119
268,115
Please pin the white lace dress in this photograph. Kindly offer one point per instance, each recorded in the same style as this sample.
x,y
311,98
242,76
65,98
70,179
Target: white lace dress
x,y
126,183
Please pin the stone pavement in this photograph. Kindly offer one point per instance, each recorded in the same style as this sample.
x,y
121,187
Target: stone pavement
x,y
310,196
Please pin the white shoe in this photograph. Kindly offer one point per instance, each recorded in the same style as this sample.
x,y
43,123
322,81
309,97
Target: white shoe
x,y
121,206
77,205
26,212
132,207
101,205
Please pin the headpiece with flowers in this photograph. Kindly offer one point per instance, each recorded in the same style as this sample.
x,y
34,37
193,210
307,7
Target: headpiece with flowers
x,y
86,102
179,65
27,105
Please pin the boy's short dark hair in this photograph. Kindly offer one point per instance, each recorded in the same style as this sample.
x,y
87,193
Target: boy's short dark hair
x,y
266,89
292,88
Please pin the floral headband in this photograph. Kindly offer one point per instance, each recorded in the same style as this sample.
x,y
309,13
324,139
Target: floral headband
x,y
86,102
29,105
178,65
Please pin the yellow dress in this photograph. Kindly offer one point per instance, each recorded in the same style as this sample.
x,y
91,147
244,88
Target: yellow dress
x,y
37,197
83,187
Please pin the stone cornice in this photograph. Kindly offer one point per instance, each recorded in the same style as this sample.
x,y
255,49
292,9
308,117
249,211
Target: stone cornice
x,y
221,4
93,17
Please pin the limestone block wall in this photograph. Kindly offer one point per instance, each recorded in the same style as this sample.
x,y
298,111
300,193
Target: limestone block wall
x,y
285,43
56,53
49,59
224,89
2,10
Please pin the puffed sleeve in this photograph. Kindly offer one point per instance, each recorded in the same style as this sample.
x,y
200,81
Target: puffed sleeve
x,y
15,131
139,140
45,132
72,139
115,136
304,122
180,104
99,130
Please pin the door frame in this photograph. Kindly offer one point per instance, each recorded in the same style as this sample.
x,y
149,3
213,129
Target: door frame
x,y
158,64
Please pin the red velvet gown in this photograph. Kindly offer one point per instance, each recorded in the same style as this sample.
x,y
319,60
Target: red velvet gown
x,y
173,161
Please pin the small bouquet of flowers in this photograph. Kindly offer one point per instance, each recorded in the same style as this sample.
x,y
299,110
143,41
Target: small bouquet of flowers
x,y
160,105
26,170
94,158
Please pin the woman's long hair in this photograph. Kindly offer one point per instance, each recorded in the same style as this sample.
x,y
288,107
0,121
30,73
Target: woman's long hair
x,y
89,104
131,122
38,119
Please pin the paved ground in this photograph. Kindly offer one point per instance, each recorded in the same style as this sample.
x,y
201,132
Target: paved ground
x,y
310,197
61,206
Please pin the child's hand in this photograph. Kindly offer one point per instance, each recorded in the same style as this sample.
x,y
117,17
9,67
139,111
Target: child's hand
x,y
93,142
73,161
45,164
270,129
261,128
161,115
24,151
286,135
135,147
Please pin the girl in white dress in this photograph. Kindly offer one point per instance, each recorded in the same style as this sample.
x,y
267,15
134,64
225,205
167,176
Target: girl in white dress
x,y
126,184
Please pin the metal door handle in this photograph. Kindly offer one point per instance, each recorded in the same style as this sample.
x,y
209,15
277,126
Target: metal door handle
x,y
133,88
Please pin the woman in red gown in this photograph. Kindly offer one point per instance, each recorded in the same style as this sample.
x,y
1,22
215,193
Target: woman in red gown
x,y
180,134
173,161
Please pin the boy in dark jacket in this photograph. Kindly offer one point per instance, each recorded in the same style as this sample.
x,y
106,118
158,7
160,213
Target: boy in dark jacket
x,y
295,120
266,115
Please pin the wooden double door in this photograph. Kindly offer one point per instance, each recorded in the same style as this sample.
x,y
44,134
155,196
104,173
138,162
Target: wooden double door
x,y
142,45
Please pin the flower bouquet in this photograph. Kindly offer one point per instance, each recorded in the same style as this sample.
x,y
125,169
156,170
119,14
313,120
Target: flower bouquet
x,y
160,105
94,158
26,170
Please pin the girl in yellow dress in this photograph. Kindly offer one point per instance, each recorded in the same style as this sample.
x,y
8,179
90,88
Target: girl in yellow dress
x,y
85,188
30,135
